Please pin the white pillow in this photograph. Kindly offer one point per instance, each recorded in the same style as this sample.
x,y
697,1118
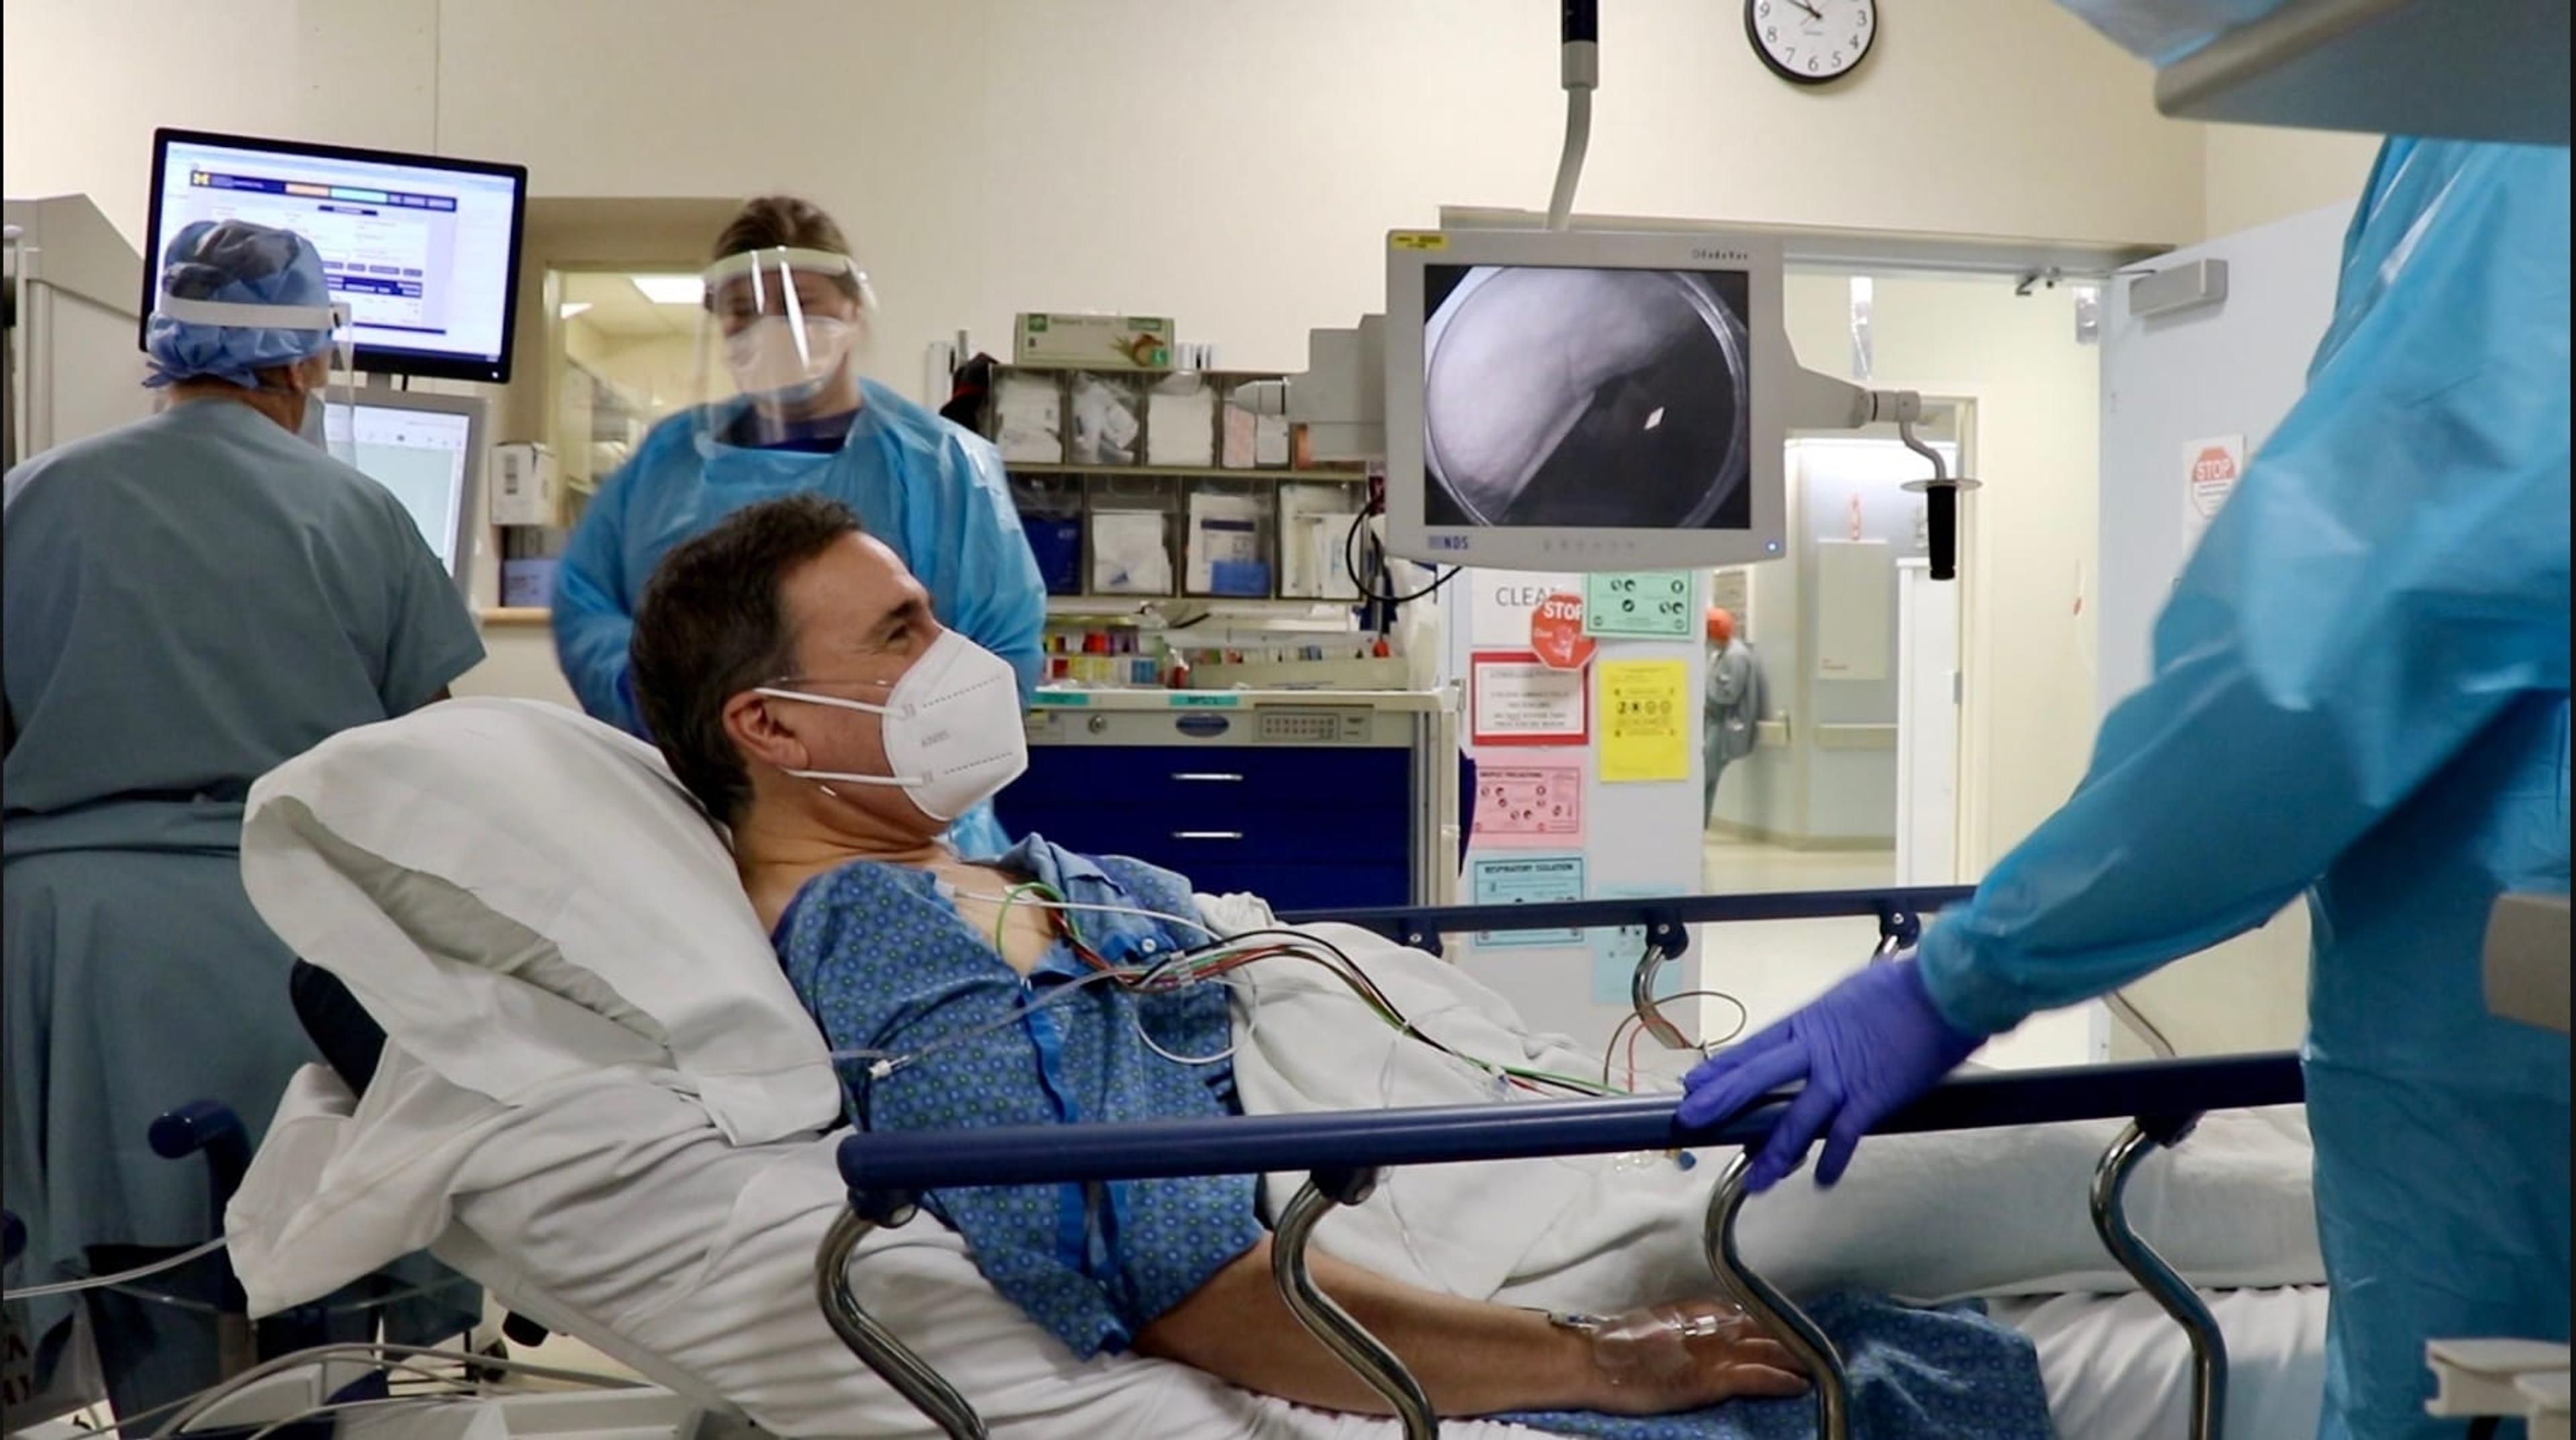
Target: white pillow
x,y
518,893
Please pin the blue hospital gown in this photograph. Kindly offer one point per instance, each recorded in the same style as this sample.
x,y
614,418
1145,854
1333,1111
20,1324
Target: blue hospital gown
x,y
885,964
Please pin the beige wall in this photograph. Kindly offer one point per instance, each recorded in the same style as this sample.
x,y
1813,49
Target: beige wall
x,y
2255,175
1147,155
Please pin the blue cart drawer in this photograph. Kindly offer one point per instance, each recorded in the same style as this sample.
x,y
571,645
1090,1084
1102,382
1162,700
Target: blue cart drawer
x,y
1190,779
1332,825
1308,887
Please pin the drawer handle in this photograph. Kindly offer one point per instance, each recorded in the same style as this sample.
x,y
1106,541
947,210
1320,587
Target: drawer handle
x,y
1214,775
1207,834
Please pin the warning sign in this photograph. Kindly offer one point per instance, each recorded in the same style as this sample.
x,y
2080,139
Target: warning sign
x,y
1556,632
2210,471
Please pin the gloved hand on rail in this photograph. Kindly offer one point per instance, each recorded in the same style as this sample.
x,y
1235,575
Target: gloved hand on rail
x,y
1864,1048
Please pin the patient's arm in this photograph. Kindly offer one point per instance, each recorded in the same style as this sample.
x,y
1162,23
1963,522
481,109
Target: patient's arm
x,y
1473,1357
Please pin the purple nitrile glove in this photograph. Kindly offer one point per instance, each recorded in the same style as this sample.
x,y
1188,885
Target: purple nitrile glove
x,y
1864,1048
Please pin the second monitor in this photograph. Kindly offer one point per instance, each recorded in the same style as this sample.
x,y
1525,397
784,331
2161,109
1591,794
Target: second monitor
x,y
1584,401
428,450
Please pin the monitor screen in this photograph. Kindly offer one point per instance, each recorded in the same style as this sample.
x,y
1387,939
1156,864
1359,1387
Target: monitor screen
x,y
1586,398
421,456
423,250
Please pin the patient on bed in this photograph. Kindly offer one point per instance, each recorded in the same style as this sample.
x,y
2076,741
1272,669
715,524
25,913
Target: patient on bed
x,y
796,680
926,978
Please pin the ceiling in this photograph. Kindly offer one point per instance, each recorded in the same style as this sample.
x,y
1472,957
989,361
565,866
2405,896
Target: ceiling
x,y
620,311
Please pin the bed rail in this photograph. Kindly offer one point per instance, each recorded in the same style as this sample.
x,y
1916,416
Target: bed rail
x,y
1666,921
1341,1151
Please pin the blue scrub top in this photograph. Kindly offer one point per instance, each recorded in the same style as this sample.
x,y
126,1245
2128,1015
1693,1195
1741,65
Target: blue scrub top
x,y
201,595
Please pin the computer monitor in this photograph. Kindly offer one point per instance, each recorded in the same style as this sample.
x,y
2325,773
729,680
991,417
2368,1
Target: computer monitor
x,y
1585,401
428,450
423,249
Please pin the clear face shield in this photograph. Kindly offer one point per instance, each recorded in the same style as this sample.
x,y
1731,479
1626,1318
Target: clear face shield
x,y
330,411
779,343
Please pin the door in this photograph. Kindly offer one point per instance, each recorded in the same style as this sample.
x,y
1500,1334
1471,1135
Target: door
x,y
2183,394
2173,382
1927,727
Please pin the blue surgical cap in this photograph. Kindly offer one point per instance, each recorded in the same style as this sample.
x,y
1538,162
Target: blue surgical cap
x,y
235,262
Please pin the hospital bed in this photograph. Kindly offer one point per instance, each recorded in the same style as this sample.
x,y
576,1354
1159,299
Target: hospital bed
x,y
1342,1153
661,1185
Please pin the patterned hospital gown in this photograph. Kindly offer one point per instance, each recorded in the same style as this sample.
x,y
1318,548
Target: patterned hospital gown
x,y
885,964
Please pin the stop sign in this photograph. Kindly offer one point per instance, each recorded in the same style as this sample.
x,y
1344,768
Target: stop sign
x,y
1556,633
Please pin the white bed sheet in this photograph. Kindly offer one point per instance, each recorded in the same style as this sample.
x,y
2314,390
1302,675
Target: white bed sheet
x,y
614,1210
2117,1369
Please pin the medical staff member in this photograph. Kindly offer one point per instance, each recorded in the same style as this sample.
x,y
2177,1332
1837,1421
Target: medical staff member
x,y
1731,708
787,310
2360,692
191,599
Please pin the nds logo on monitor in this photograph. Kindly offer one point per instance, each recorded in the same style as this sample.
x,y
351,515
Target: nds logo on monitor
x,y
1719,252
1448,542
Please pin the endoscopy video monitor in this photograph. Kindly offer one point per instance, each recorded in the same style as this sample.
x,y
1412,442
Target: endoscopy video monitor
x,y
1584,401
423,249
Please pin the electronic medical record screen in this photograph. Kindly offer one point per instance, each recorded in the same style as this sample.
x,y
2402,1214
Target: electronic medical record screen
x,y
1565,396
423,250
422,456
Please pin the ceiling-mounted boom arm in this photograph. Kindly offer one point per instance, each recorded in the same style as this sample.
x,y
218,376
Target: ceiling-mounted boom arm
x,y
1821,402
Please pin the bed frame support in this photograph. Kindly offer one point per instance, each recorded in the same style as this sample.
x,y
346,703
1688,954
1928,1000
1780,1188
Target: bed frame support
x,y
1350,1342
2141,1138
1778,1313
894,1362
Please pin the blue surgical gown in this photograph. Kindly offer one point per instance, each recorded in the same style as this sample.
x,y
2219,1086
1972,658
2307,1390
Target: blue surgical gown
x,y
929,489
192,599
2361,692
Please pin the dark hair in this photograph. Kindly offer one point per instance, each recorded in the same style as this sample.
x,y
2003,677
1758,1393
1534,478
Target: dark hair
x,y
712,625
767,222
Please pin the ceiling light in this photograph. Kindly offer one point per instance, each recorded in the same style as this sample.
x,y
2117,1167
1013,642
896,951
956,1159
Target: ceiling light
x,y
570,308
671,289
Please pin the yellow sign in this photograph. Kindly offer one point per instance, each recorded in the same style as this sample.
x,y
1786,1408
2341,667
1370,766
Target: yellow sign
x,y
1417,240
1644,720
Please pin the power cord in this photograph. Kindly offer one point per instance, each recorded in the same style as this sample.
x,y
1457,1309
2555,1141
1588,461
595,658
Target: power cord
x,y
1350,566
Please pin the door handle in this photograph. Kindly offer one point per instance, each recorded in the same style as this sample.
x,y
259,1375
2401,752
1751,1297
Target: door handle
x,y
1216,776
1207,834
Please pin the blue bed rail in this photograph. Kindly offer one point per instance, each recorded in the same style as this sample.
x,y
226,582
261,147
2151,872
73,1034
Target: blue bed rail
x,y
1899,910
878,1167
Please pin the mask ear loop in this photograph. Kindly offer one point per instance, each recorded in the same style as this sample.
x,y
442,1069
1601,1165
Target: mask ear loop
x,y
863,707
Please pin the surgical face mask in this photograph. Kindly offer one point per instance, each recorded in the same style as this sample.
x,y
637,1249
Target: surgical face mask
x,y
311,429
767,364
952,728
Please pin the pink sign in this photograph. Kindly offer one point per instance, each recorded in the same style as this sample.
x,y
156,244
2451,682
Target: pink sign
x,y
1528,804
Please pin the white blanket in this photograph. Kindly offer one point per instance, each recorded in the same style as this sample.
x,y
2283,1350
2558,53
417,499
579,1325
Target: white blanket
x,y
611,1207
1925,1217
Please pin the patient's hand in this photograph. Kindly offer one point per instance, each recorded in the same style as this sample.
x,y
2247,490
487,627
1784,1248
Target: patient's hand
x,y
1473,1357
1683,1357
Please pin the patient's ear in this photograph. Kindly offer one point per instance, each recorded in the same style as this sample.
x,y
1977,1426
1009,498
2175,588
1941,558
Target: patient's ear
x,y
751,723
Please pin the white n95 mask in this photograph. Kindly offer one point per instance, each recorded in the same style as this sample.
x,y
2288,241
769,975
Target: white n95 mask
x,y
788,360
952,728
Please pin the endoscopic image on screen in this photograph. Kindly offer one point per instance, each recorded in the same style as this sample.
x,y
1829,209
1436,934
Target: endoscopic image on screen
x,y
1588,398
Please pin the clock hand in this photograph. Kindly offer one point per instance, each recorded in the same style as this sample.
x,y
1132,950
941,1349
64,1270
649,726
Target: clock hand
x,y
1810,9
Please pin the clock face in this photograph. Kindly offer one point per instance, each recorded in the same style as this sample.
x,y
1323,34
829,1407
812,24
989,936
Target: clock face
x,y
1811,41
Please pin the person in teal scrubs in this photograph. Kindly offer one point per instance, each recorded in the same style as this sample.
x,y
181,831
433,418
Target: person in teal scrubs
x,y
192,599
